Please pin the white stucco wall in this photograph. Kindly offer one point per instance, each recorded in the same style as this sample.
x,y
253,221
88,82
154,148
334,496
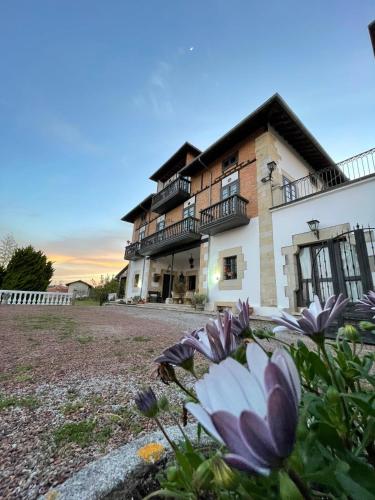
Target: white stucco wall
x,y
290,162
135,267
354,203
246,237
79,289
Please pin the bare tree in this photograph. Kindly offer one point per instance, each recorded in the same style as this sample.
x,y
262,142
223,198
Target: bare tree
x,y
8,246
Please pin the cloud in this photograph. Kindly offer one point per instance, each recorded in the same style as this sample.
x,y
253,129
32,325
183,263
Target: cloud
x,y
86,257
157,92
68,134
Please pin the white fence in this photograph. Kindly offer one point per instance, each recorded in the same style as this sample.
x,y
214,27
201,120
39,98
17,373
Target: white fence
x,y
18,297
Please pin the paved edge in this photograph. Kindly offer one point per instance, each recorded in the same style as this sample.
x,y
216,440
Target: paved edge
x,y
104,475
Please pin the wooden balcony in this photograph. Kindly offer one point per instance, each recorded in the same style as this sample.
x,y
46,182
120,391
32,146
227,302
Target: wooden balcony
x,y
172,237
224,215
132,251
175,193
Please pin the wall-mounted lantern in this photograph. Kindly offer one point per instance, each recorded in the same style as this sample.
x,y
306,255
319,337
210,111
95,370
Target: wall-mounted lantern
x,y
314,226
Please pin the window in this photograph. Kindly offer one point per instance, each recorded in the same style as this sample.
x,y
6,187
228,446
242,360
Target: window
x,y
229,190
191,283
142,233
136,280
143,216
230,268
189,211
290,190
160,225
230,162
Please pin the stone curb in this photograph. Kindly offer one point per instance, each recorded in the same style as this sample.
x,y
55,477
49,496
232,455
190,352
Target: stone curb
x,y
101,477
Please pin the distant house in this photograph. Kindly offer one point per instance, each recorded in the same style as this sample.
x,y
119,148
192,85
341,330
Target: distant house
x,y
58,289
79,288
121,278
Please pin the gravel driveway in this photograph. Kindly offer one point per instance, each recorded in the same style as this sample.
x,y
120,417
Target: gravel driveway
x,y
68,376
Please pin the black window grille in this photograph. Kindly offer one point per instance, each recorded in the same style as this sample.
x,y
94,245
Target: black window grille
x,y
230,268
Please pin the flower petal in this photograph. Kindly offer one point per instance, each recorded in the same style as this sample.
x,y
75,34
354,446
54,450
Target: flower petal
x,y
257,360
227,426
282,421
238,462
285,362
257,435
273,377
203,418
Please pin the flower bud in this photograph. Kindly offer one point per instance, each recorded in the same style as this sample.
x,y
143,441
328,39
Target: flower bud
x,y
202,476
349,332
367,326
147,403
172,473
224,476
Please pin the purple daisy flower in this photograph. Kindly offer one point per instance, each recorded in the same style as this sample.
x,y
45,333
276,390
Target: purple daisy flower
x,y
216,342
253,412
315,320
242,321
367,303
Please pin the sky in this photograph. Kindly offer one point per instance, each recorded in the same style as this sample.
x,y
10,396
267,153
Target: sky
x,y
95,95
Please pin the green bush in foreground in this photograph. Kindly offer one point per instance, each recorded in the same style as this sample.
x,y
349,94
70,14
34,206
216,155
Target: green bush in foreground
x,y
290,424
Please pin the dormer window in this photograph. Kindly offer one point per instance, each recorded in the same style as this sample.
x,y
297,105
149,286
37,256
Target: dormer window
x,y
230,161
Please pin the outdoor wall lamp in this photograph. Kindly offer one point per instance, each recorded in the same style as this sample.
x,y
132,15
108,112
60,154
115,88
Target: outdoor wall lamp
x,y
271,167
314,226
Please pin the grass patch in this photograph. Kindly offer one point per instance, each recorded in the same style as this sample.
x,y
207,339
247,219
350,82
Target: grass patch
x,y
27,402
86,302
23,377
141,338
82,433
127,419
71,407
64,327
84,339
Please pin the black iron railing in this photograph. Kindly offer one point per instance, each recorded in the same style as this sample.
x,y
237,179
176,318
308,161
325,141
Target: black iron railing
x,y
184,226
132,250
347,171
180,184
233,205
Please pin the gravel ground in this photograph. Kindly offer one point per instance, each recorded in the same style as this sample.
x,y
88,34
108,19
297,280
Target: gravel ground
x,y
70,365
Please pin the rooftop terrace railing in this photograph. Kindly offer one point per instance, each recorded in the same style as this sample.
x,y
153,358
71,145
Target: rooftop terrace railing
x,y
349,170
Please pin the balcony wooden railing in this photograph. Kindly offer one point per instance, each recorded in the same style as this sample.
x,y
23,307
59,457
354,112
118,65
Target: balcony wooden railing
x,y
181,232
172,195
224,215
132,251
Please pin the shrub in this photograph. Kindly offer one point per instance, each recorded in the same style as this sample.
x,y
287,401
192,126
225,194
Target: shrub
x,y
292,423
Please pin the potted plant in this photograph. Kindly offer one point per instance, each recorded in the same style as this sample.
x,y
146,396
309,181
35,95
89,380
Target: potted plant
x,y
199,301
180,290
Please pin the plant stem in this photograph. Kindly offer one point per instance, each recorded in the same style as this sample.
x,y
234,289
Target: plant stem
x,y
336,383
175,420
173,446
186,391
299,483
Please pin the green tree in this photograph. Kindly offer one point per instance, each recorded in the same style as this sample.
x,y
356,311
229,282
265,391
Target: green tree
x,y
2,275
28,269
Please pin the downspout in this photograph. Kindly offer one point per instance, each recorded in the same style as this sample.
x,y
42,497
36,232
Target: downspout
x,y
143,274
209,237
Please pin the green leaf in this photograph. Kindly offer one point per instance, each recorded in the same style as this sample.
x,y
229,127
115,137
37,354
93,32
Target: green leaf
x,y
352,488
288,489
364,401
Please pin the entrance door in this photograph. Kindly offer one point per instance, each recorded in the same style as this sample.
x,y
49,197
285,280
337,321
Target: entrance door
x,y
340,265
165,290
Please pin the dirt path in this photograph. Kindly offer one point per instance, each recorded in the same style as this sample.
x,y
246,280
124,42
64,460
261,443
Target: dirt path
x,y
68,376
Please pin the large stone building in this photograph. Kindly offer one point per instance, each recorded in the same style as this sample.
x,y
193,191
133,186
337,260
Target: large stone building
x,y
261,214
